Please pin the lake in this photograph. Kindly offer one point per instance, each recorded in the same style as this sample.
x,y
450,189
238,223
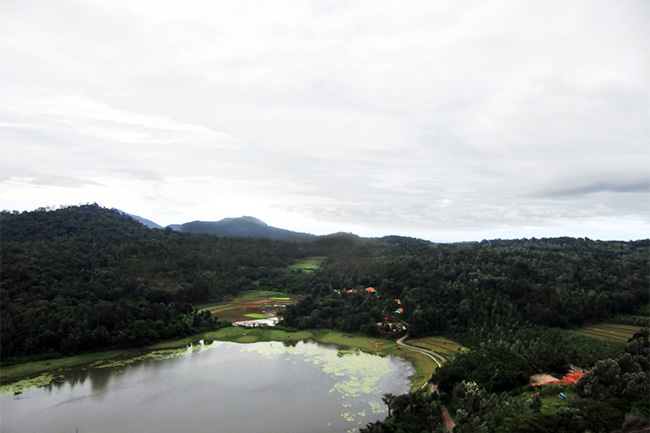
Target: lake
x,y
216,387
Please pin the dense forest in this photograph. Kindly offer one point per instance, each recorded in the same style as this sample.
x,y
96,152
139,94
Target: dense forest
x,y
85,278
466,286
611,397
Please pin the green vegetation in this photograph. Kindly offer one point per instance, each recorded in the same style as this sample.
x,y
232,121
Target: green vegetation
x,y
308,264
82,279
256,316
610,331
631,319
12,372
508,359
256,304
442,345
485,393
458,288
551,400
86,278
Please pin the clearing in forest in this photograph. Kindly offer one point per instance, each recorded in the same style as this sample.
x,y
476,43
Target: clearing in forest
x,y
442,345
308,264
610,331
254,304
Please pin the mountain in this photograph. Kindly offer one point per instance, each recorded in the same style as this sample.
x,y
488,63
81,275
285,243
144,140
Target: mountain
x,y
145,222
243,227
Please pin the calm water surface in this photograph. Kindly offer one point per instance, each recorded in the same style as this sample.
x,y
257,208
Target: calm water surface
x,y
219,387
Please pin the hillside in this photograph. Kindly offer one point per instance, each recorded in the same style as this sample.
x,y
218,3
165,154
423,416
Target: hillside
x,y
85,277
243,227
145,222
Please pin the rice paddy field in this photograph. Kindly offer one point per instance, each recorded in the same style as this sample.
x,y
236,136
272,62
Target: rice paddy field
x,y
610,331
257,304
442,345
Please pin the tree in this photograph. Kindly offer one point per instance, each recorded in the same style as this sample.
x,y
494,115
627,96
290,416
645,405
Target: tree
x,y
388,400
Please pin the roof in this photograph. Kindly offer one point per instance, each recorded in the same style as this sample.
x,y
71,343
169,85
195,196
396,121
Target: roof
x,y
568,379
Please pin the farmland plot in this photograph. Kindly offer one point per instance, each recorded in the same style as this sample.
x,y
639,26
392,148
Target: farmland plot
x,y
610,331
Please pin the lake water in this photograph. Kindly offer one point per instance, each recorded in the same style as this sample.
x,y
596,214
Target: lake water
x,y
218,387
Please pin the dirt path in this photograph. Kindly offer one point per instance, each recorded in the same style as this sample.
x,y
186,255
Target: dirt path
x,y
449,423
439,359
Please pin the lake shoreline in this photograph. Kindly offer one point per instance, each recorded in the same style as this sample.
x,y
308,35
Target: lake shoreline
x,y
215,383
13,374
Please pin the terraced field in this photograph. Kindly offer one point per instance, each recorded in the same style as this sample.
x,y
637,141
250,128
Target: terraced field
x,y
610,331
256,304
442,345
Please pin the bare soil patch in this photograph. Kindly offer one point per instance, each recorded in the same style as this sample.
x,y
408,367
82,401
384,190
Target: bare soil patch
x,y
540,379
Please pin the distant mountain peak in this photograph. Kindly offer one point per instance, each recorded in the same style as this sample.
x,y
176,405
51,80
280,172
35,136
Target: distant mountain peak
x,y
245,219
145,222
242,227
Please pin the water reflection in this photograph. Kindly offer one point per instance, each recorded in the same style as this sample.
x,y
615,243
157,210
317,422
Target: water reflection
x,y
262,387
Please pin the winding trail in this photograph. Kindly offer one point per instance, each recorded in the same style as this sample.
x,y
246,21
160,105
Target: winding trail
x,y
439,359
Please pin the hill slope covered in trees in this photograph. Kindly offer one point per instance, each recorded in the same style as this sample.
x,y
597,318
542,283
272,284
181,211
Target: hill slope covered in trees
x,y
243,227
83,278
86,278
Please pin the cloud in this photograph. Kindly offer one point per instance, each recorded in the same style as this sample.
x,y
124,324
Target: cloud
x,y
457,115
596,186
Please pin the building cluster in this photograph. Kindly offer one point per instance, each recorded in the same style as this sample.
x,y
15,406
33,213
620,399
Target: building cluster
x,y
399,310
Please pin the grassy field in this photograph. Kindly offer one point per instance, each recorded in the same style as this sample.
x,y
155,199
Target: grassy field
x,y
257,304
552,402
610,331
308,264
442,345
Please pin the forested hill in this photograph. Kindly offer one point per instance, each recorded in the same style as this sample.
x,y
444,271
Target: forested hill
x,y
244,227
86,277
479,286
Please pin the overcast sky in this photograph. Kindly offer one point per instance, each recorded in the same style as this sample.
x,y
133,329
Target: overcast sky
x,y
443,120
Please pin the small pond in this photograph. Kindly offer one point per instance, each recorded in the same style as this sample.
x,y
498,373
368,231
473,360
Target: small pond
x,y
216,387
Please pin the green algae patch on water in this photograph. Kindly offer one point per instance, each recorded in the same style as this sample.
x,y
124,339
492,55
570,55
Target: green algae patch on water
x,y
358,374
156,355
376,408
40,381
354,374
10,373
55,375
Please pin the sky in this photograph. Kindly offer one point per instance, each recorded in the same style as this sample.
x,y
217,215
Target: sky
x,y
442,120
